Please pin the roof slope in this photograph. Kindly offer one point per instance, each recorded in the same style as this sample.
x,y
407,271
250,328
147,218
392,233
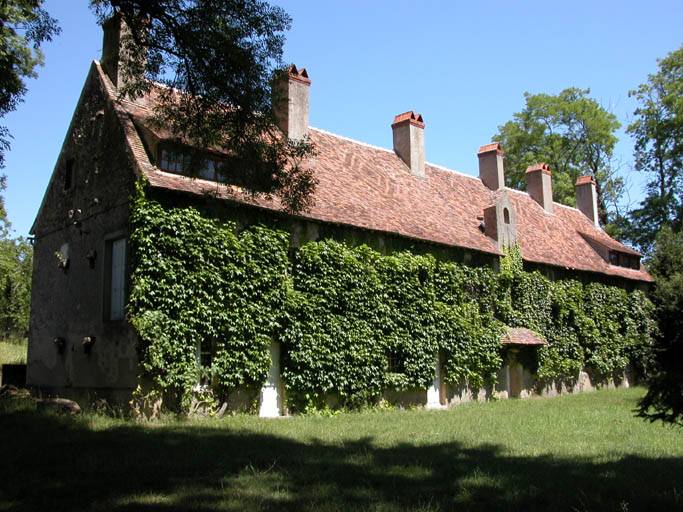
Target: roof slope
x,y
372,188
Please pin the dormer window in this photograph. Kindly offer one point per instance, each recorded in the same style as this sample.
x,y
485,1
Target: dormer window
x,y
179,162
175,161
622,259
613,252
613,258
208,170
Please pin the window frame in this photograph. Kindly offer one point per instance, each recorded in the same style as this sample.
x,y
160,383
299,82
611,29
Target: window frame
x,y
107,282
181,162
624,260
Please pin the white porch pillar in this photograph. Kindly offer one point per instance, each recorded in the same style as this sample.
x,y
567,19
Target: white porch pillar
x,y
434,391
271,399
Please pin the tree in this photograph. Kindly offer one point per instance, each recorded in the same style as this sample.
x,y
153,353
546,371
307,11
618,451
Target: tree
x,y
664,398
656,227
24,26
224,53
16,264
574,135
658,134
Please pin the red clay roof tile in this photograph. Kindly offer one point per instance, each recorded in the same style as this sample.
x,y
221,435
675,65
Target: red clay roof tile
x,y
369,187
521,336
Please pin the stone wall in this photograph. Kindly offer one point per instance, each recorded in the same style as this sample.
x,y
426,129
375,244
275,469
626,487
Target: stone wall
x,y
87,202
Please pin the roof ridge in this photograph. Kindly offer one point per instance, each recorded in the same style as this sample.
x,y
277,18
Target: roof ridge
x,y
574,208
349,139
372,146
460,173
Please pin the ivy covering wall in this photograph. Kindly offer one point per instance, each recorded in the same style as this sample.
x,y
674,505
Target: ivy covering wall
x,y
351,322
198,287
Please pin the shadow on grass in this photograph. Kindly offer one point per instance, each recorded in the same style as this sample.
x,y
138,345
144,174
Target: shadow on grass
x,y
53,463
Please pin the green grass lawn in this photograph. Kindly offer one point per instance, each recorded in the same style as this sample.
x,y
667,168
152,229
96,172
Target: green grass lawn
x,y
577,453
13,351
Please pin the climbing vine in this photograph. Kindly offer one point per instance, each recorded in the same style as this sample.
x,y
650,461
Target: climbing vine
x,y
200,288
207,301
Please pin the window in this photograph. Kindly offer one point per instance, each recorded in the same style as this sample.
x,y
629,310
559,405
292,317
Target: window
x,y
205,351
179,163
174,161
68,174
395,363
506,216
115,279
613,258
208,171
621,259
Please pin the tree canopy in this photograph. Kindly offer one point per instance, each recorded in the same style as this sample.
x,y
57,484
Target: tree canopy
x,y
224,53
574,135
24,26
16,265
658,133
664,398
655,226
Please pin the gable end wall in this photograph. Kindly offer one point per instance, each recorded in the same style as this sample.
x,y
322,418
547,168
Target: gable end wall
x,y
68,303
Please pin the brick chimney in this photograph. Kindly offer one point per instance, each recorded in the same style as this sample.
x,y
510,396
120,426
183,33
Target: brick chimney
x,y
111,47
539,185
587,198
291,98
115,43
116,37
409,141
491,171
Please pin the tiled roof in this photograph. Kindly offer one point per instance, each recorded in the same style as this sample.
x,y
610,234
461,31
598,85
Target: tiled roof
x,y
521,336
610,243
372,188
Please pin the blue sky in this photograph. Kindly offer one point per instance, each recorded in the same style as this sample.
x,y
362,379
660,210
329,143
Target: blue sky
x,y
463,65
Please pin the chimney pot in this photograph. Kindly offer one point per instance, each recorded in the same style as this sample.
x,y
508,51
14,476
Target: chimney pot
x,y
491,171
539,185
409,141
291,99
587,198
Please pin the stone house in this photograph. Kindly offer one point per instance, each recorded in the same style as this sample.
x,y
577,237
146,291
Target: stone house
x,y
80,343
